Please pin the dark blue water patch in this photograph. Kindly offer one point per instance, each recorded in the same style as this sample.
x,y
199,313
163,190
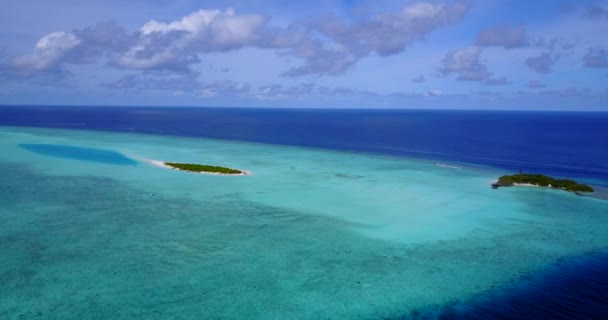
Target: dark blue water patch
x,y
561,144
575,288
80,153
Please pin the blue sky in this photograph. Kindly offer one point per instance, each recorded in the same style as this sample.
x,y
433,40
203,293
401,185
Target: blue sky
x,y
530,55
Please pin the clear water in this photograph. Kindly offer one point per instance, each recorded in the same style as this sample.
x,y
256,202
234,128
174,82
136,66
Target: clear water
x,y
311,234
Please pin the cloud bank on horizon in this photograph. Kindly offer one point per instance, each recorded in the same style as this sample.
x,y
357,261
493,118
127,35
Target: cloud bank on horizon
x,y
385,54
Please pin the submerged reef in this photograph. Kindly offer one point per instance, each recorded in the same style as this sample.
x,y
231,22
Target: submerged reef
x,y
79,153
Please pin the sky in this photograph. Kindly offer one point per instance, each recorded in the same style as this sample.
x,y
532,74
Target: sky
x,y
433,54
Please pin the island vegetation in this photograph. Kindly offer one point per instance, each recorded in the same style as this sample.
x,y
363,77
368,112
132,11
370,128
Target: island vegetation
x,y
203,168
541,181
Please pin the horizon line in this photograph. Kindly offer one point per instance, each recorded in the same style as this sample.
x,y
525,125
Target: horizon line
x,y
302,108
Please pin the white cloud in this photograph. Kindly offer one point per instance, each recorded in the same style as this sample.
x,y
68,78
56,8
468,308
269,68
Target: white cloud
x,y
225,87
156,80
384,34
176,45
328,46
542,63
49,51
503,36
465,63
270,91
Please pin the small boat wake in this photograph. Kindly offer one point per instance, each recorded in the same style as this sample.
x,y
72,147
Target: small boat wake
x,y
447,166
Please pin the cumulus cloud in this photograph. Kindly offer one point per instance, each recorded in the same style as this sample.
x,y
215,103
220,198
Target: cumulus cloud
x,y
303,89
178,84
54,51
391,33
172,46
384,34
157,81
465,64
542,63
270,91
48,53
596,57
319,60
176,45
129,81
507,37
328,46
277,91
300,90
344,91
103,39
225,87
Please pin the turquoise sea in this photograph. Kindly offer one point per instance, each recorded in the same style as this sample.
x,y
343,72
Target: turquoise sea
x,y
91,230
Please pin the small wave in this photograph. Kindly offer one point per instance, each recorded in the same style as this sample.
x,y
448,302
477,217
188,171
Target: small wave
x,y
447,166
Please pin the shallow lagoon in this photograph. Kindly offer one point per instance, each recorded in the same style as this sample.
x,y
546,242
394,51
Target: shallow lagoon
x,y
311,234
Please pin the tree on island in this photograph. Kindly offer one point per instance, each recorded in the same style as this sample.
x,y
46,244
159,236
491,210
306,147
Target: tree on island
x,y
543,181
202,168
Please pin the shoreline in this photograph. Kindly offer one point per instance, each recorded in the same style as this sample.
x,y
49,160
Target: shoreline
x,y
530,185
161,164
496,184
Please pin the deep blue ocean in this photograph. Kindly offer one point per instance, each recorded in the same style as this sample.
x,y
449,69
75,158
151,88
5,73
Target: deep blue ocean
x,y
561,143
564,144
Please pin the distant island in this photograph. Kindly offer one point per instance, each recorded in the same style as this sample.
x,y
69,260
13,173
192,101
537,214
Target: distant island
x,y
541,181
192,167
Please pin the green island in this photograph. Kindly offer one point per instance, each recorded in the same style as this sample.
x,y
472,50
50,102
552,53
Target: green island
x,y
541,181
202,168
